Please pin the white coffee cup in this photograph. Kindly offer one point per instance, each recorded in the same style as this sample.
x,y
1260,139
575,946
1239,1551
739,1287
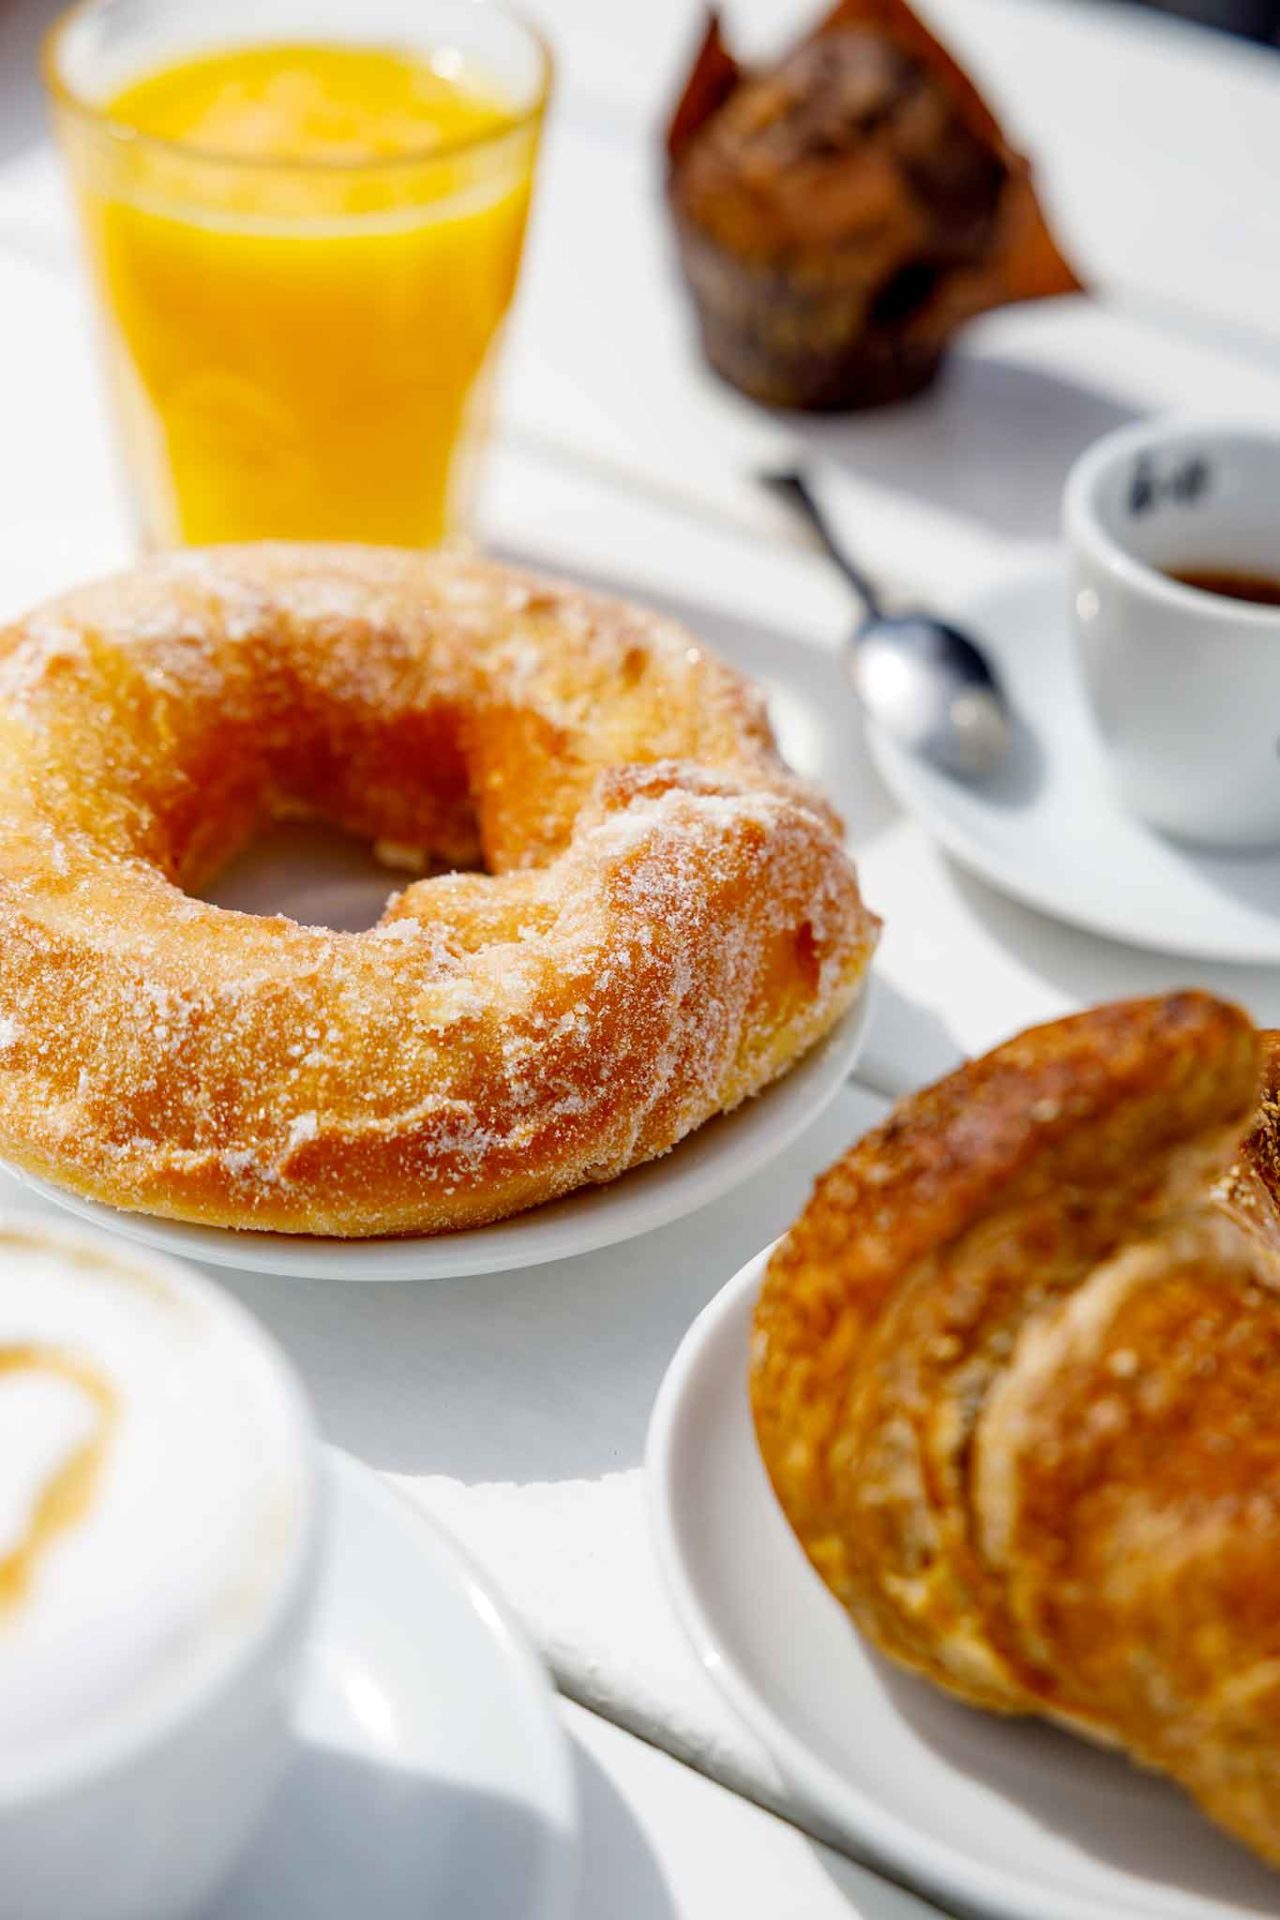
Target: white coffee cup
x,y
147,1693
1185,684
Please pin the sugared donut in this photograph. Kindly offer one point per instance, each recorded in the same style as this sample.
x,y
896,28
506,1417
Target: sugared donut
x,y
657,920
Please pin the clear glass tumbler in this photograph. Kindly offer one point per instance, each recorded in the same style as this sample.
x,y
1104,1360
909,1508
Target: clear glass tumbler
x,y
301,305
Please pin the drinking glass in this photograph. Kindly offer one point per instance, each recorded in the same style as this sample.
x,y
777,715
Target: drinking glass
x,y
299,348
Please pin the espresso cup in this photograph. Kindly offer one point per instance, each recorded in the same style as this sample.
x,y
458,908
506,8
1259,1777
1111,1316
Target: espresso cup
x,y
1184,683
158,1557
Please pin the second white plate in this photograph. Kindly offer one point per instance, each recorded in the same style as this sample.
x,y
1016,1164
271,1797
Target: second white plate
x,y
430,1773
1050,828
708,1163
1010,1819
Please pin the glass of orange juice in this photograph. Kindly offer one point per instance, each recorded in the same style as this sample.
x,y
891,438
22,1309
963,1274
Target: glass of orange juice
x,y
304,220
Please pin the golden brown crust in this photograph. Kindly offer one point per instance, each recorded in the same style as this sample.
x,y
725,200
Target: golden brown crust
x,y
1261,1147
1015,1379
666,921
1250,1189
1128,1485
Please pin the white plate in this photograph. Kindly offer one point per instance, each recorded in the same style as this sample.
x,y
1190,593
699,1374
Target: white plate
x,y
320,878
704,1166
431,1774
1051,830
1008,1819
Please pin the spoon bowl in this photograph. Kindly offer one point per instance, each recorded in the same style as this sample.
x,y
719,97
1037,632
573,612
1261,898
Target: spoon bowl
x,y
928,685
921,679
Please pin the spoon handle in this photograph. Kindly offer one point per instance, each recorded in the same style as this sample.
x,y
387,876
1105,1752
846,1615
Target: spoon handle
x,y
793,487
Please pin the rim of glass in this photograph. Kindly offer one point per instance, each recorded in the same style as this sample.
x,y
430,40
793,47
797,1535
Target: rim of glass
x,y
133,138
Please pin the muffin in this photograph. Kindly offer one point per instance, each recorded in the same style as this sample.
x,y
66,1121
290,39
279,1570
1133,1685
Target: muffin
x,y
840,213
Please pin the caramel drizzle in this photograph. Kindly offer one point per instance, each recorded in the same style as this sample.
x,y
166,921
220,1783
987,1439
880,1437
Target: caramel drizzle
x,y
69,1492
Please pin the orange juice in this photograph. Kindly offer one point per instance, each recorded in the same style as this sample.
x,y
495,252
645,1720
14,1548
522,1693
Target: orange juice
x,y
305,254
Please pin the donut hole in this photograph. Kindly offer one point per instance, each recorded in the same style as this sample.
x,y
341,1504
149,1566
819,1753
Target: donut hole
x,y
309,871
396,777
342,806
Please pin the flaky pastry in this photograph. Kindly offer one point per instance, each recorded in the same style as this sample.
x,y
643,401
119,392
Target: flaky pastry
x,y
1016,1380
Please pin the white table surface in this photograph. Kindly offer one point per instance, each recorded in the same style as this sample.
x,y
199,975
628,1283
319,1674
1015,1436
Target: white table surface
x,y
516,1407
664,1844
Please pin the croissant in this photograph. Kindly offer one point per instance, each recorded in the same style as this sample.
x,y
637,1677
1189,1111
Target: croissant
x,y
1016,1381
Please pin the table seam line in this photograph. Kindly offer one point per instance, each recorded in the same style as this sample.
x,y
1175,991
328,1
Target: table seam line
x,y
812,1829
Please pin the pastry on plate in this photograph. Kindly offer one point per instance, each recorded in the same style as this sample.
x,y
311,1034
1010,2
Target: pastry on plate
x,y
647,917
1016,1381
839,213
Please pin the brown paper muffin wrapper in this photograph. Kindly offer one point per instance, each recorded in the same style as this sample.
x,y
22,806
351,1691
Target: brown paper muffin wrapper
x,y
791,331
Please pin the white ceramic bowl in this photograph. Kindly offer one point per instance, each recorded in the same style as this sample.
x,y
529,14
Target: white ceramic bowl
x,y
1185,684
136,1812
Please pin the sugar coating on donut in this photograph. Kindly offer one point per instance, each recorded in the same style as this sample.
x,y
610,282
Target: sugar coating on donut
x,y
644,919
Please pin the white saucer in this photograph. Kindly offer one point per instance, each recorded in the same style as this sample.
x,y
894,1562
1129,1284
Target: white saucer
x,y
1051,830
431,1775
1008,1819
704,1166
